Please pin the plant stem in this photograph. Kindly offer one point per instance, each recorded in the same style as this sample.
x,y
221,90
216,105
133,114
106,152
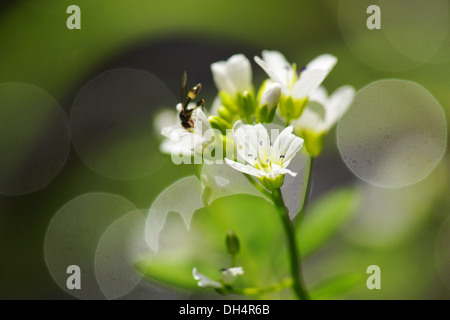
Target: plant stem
x,y
295,263
258,291
258,186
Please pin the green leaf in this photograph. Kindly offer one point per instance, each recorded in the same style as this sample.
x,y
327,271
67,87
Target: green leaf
x,y
262,253
324,218
337,286
168,272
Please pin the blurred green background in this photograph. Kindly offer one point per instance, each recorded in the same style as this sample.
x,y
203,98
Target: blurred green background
x,y
166,37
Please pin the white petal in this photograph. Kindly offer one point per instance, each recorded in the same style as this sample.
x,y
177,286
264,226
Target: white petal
x,y
289,145
319,95
164,118
286,147
182,147
240,72
234,75
279,145
221,79
201,123
323,62
271,95
229,275
174,131
204,281
295,145
310,79
245,168
279,65
312,119
271,73
313,75
278,171
338,104
250,141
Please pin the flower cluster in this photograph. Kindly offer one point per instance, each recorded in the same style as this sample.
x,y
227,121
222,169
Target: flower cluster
x,y
256,132
292,99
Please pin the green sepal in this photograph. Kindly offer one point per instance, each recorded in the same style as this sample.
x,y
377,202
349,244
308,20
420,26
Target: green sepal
x,y
291,109
313,141
232,243
228,102
249,103
225,113
262,88
262,113
219,124
271,114
272,184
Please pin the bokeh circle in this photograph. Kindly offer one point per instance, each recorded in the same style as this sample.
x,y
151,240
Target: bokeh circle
x,y
393,134
120,247
73,235
34,138
111,123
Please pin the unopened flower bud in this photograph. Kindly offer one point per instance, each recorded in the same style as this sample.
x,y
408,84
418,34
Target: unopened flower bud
x,y
271,96
219,124
232,243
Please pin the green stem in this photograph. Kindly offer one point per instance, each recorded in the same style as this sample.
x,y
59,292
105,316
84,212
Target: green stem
x,y
233,261
259,291
295,263
258,186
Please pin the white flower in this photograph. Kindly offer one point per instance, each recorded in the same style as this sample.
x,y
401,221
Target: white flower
x,y
182,141
205,281
271,95
264,159
228,277
282,72
234,75
323,112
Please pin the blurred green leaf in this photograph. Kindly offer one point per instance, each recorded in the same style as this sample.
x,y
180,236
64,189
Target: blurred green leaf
x,y
336,286
254,220
174,273
325,217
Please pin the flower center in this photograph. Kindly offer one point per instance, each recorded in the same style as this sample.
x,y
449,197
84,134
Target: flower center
x,y
264,159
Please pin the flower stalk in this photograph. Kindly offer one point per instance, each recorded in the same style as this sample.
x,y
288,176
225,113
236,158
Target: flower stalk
x,y
295,263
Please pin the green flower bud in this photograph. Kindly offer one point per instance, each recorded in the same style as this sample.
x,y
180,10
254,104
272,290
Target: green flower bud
x,y
291,109
271,114
272,184
219,124
268,102
271,96
262,113
227,102
249,102
226,114
247,105
232,243
313,142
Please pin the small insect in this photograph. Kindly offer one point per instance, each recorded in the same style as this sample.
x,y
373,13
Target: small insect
x,y
186,97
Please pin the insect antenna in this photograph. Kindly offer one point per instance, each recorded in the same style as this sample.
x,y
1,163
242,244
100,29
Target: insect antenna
x,y
184,93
